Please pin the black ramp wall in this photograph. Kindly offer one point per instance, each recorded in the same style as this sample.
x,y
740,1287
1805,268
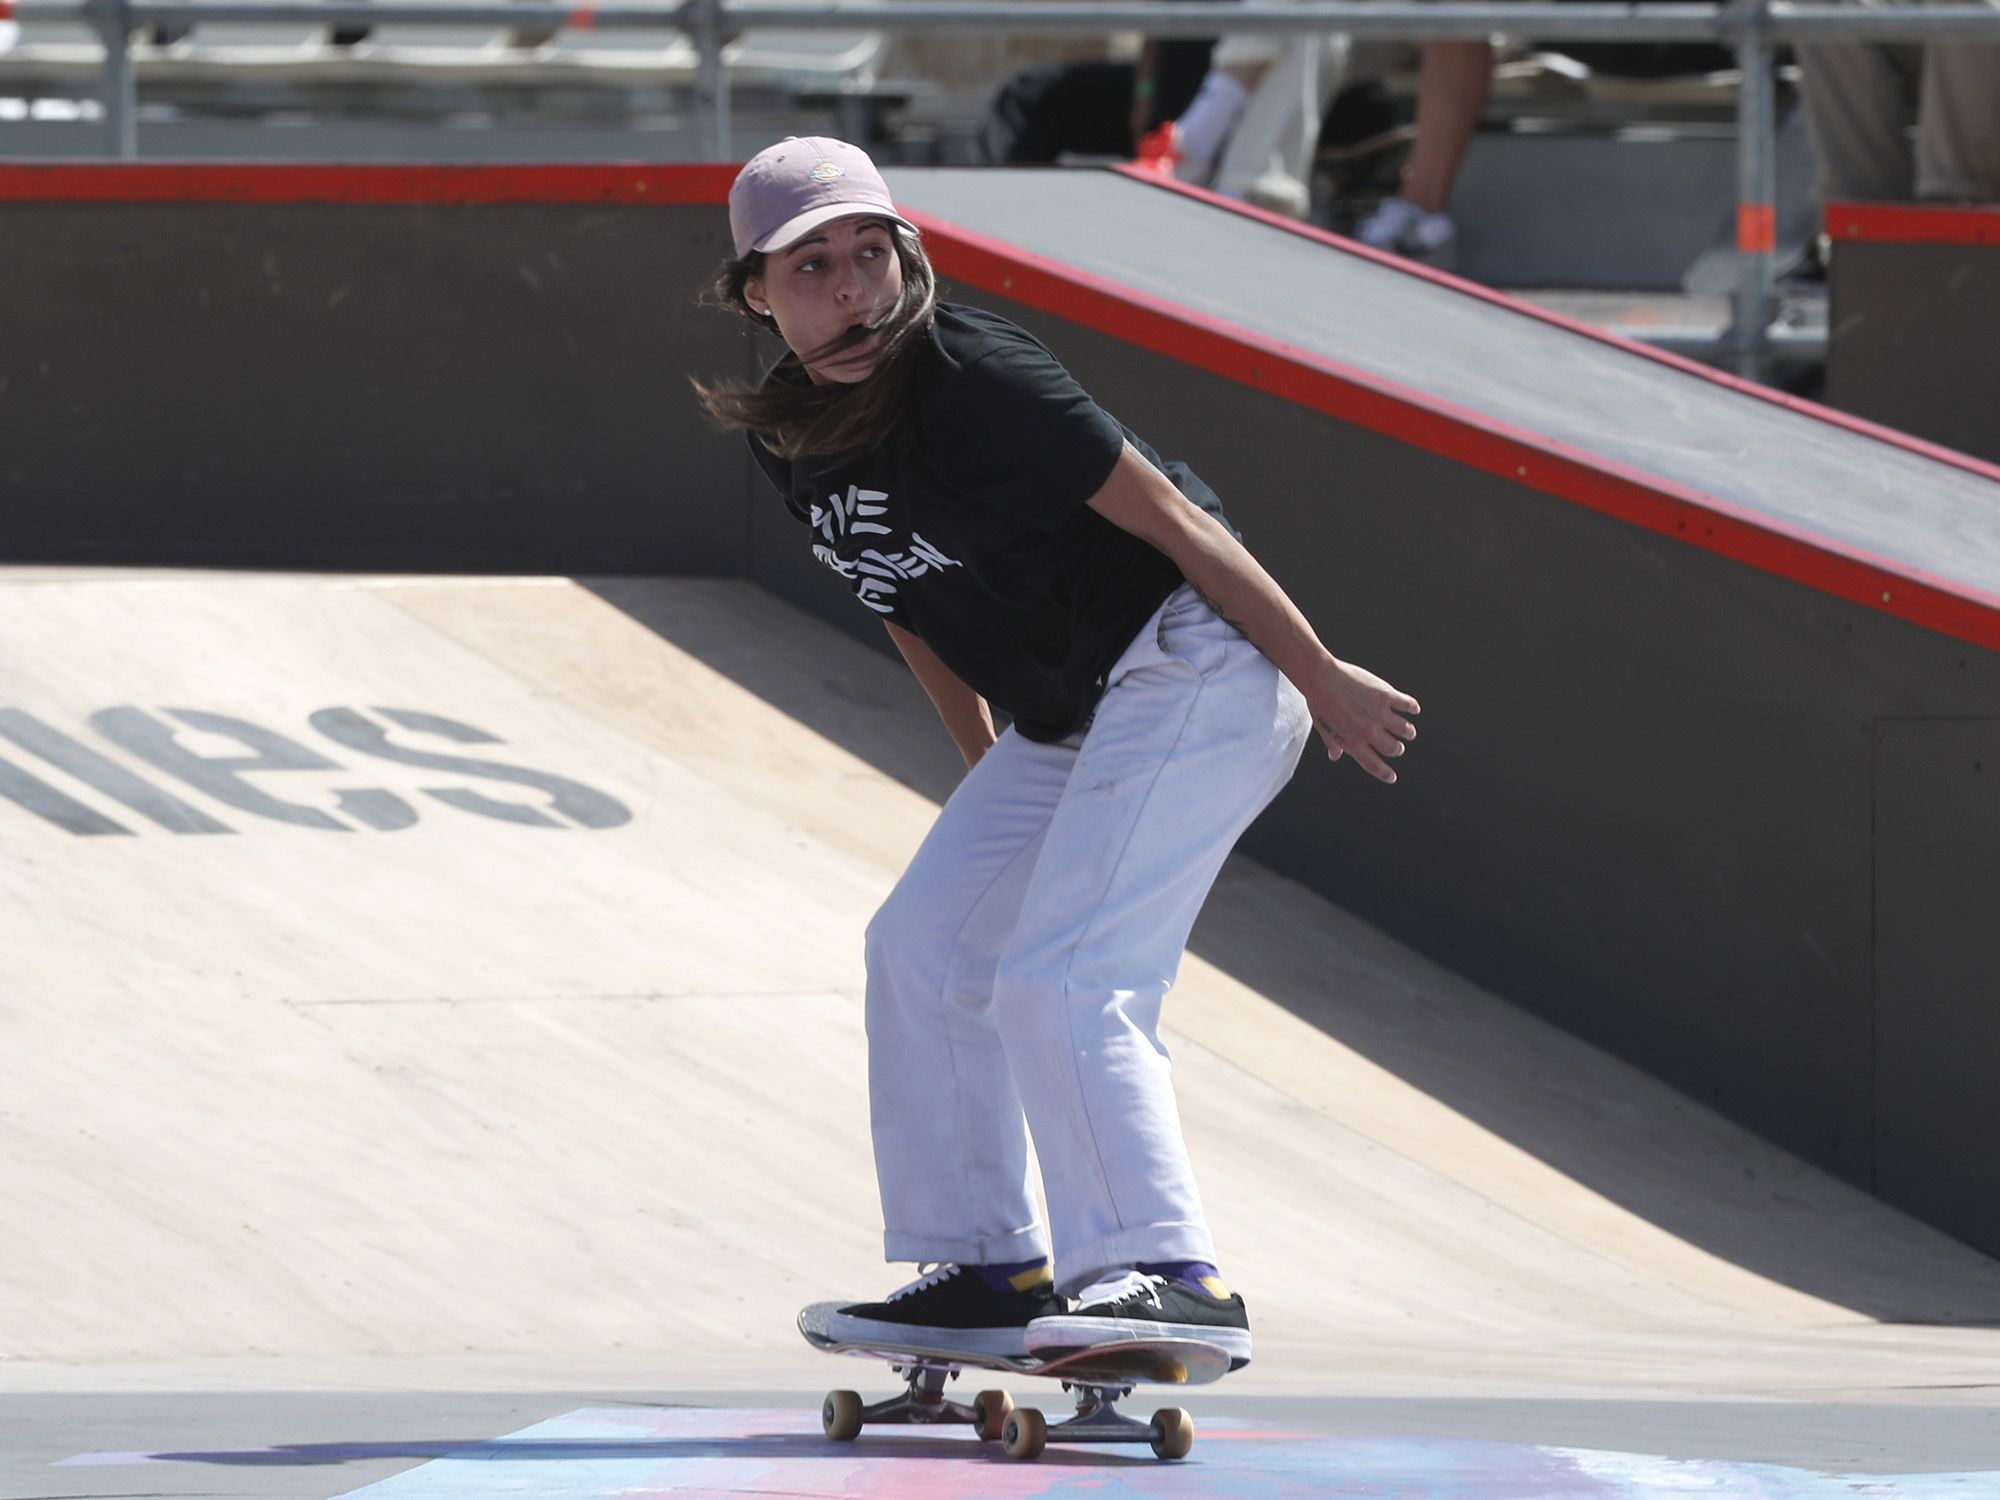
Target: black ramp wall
x,y
491,384
1915,297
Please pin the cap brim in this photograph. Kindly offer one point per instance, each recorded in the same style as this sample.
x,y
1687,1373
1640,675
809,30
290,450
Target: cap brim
x,y
793,230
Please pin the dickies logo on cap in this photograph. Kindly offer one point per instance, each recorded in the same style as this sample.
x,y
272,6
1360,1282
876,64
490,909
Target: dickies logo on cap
x,y
788,190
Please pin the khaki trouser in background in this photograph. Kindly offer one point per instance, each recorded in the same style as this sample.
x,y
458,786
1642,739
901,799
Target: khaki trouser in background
x,y
1858,112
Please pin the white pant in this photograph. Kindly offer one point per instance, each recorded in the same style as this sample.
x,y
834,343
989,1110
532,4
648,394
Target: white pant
x,y
1279,129
1017,971
1278,133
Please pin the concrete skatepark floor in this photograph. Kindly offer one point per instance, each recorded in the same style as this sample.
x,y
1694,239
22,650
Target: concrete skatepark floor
x,y
332,1147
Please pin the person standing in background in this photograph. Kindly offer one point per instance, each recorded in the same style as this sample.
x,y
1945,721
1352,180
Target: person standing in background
x,y
1861,99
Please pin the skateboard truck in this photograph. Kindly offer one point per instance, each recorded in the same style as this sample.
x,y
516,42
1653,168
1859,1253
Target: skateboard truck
x,y
1099,1377
1170,1434
923,1400
1022,1432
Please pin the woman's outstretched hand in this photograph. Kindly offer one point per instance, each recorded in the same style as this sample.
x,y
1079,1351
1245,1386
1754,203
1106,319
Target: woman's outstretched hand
x,y
1359,714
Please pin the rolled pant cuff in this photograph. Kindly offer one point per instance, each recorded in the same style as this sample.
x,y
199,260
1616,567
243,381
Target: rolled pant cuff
x,y
1078,1268
984,1250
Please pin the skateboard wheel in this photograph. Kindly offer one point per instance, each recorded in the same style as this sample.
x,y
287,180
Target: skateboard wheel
x,y
841,1416
990,1410
1173,1433
1025,1434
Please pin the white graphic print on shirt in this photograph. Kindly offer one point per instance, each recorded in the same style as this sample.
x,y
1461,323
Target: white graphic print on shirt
x,y
874,573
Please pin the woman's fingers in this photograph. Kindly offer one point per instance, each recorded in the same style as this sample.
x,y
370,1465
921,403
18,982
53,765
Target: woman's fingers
x,y
1374,765
1374,733
1366,755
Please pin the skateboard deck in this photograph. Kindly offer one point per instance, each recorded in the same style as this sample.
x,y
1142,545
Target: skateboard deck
x,y
1099,1376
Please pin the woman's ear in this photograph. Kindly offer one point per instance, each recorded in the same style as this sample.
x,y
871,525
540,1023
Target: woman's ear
x,y
753,294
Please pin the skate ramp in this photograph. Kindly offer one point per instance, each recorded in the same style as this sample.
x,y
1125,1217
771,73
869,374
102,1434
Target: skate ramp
x,y
1709,673
457,970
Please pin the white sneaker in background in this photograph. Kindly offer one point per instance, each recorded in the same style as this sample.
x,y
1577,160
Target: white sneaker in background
x,y
1401,228
1280,193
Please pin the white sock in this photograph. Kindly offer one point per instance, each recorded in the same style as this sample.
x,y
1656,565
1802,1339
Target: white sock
x,y
1206,123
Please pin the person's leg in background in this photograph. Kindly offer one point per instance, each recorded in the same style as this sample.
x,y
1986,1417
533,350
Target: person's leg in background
x,y
1859,99
1453,80
1268,157
1236,69
1958,123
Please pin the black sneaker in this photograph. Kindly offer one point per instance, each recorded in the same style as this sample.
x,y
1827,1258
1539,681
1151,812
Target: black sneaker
x,y
1132,1305
949,1308
1804,275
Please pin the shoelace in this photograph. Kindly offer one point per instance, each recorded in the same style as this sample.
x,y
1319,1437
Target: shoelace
x,y
1138,1285
929,1274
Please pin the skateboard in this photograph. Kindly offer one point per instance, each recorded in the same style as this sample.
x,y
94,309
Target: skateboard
x,y
1099,1377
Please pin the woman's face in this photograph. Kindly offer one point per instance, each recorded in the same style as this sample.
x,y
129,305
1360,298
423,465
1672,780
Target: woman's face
x,y
826,290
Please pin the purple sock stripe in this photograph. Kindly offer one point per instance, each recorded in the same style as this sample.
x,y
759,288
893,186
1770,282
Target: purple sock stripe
x,y
1188,1273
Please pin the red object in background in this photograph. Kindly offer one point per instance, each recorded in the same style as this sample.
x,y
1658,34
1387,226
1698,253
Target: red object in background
x,y
1756,228
1159,149
1915,223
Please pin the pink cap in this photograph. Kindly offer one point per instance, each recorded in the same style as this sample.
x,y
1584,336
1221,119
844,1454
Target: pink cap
x,y
787,190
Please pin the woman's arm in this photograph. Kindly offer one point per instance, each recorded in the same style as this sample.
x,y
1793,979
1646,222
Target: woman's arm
x,y
965,714
1358,714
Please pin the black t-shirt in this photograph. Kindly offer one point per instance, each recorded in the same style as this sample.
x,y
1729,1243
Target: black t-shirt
x,y
973,533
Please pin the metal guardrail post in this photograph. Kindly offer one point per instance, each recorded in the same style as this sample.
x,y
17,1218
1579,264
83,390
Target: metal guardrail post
x,y
119,94
711,77
1756,190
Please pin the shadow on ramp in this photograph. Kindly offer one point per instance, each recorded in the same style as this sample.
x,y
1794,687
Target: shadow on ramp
x,y
1551,1112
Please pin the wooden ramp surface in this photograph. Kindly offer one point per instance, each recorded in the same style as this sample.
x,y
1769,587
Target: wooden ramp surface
x,y
569,1066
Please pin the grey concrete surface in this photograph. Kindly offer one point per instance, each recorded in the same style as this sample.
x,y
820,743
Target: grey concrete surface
x,y
296,1445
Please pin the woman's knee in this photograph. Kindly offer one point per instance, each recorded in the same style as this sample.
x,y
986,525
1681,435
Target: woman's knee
x,y
914,940
891,930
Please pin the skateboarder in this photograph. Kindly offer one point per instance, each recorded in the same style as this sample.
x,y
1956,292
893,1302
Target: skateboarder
x,y
1027,551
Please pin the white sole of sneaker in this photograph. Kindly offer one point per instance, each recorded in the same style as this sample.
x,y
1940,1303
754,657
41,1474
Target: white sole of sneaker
x,y
1080,1333
1000,1343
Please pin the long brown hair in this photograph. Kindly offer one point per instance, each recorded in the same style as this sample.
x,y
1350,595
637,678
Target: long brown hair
x,y
791,415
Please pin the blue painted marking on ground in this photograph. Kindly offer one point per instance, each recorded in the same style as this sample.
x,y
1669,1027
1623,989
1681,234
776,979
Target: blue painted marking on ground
x,y
642,1452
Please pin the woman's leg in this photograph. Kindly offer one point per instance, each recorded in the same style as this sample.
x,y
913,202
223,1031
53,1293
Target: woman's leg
x,y
1195,735
951,1151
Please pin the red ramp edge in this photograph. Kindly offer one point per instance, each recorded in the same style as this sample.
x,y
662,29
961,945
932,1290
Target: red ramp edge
x,y
1914,223
1737,383
1238,354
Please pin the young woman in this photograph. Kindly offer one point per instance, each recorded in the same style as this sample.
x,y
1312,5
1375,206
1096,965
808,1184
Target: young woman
x,y
1026,551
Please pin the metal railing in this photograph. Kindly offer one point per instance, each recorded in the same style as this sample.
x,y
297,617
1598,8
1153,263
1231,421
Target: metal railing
x,y
1749,27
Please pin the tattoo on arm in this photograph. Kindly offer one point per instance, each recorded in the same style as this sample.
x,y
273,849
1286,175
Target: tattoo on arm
x,y
1219,614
